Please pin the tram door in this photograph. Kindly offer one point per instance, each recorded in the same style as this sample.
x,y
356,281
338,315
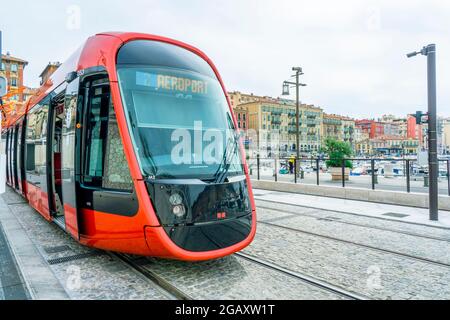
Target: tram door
x,y
55,156
61,154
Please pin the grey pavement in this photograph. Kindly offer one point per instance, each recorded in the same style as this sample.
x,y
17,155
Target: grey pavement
x,y
12,286
38,244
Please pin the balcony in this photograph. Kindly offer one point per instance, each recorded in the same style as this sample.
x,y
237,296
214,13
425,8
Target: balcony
x,y
277,112
276,121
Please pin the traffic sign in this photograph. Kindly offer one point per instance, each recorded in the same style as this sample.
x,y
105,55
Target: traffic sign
x,y
3,86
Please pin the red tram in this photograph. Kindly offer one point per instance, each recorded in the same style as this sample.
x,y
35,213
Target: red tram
x,y
104,150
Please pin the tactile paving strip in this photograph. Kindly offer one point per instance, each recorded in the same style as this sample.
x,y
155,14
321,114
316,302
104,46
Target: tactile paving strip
x,y
74,257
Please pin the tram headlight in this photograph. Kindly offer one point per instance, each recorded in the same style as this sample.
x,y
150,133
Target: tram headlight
x,y
179,210
176,199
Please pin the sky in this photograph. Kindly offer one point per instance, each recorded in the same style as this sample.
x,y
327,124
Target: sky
x,y
353,52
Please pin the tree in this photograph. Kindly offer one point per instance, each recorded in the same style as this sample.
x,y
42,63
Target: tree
x,y
337,151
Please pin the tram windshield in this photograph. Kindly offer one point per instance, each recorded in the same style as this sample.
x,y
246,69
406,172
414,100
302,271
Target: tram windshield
x,y
177,113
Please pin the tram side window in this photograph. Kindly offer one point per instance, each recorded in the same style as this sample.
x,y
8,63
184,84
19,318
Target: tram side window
x,y
40,152
30,142
105,163
36,140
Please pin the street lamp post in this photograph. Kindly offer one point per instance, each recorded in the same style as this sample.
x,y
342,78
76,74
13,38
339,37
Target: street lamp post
x,y
297,85
433,167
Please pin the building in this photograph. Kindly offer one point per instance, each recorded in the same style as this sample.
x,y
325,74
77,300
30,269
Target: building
x,y
28,93
394,146
363,147
331,127
48,71
238,98
446,136
274,122
373,128
348,131
414,131
391,129
402,124
13,68
241,113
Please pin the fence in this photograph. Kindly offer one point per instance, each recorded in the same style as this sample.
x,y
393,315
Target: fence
x,y
407,177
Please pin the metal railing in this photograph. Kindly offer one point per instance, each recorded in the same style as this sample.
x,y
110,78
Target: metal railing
x,y
317,166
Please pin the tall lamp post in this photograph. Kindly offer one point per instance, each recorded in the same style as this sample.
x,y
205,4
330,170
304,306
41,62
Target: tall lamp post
x,y
297,85
433,167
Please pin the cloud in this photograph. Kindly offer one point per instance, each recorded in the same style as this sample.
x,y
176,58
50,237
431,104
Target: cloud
x,y
352,52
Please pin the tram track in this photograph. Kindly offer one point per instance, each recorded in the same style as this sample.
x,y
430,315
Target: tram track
x,y
354,223
396,253
303,277
349,213
177,294
163,284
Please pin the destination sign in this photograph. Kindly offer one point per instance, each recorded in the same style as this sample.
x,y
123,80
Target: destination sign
x,y
172,83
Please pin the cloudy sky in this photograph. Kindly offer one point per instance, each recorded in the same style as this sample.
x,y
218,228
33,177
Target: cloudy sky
x,y
352,52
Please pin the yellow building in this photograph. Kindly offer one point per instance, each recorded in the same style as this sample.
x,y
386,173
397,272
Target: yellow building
x,y
274,123
391,145
331,127
348,130
363,147
338,127
446,136
238,98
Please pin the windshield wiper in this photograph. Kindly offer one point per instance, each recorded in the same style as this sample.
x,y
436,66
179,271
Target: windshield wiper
x,y
224,167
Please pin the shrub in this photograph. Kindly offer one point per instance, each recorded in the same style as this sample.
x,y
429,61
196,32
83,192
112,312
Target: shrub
x,y
337,151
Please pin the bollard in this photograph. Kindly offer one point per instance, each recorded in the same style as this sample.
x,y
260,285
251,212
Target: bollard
x,y
276,173
426,181
374,177
295,170
302,174
408,176
317,171
257,165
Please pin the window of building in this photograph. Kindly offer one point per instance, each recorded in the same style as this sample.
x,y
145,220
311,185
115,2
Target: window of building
x,y
2,66
13,82
14,67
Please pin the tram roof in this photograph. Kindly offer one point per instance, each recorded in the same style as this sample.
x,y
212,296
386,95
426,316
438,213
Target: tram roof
x,y
97,50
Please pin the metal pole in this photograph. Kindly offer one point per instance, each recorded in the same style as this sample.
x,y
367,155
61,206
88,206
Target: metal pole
x,y
317,170
408,181
295,170
297,116
372,166
343,173
276,175
432,132
257,165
